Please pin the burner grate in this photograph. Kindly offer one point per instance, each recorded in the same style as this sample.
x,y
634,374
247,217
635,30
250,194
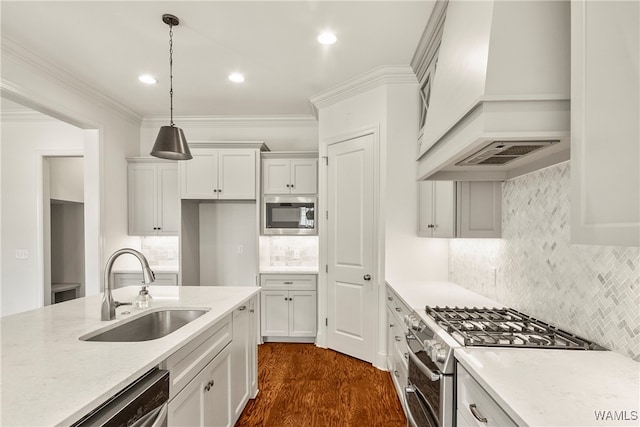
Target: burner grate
x,y
504,327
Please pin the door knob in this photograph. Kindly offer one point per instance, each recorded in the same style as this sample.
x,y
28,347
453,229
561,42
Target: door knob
x,y
367,277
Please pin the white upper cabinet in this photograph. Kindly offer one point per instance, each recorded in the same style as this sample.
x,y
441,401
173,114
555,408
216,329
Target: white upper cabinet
x,y
154,200
470,209
224,174
605,135
290,176
437,209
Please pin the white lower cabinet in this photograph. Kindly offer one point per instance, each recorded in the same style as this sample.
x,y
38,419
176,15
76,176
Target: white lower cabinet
x,y
214,375
242,358
288,307
474,405
397,351
205,400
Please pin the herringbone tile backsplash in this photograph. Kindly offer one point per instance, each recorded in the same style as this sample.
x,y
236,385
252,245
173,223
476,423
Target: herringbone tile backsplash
x,y
591,291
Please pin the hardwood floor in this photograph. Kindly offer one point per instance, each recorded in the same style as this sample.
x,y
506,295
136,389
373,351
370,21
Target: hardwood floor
x,y
302,385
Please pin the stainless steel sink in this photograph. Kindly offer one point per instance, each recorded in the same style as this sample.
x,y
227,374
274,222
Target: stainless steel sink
x,y
148,327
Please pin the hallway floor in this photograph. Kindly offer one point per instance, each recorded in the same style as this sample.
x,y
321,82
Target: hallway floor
x,y
302,385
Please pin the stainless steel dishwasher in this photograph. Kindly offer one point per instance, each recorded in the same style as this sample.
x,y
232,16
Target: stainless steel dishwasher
x,y
144,403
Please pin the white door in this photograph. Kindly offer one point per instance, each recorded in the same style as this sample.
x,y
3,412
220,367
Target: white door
x,y
350,228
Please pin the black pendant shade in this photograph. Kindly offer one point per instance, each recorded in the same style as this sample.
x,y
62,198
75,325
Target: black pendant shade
x,y
171,144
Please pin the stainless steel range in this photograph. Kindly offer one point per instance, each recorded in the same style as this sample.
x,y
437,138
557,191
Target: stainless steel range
x,y
431,341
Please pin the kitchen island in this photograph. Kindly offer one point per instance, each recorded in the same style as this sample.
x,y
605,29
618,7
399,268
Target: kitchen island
x,y
536,386
51,377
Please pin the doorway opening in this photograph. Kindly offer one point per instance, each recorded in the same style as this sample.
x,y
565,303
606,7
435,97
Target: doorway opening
x,y
63,227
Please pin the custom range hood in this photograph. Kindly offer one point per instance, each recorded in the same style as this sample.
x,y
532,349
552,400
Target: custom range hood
x,y
499,99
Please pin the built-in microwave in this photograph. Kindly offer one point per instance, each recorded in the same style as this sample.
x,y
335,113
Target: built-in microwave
x,y
289,215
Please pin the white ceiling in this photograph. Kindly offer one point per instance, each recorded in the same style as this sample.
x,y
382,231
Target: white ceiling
x,y
108,44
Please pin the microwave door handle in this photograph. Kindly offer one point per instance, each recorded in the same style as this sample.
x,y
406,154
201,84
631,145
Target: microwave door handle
x,y
433,376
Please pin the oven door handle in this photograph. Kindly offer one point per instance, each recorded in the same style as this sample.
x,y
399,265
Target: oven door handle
x,y
433,376
410,389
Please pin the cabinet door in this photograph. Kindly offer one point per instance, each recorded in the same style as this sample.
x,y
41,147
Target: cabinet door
x,y
479,209
240,363
216,404
168,216
302,313
142,199
304,176
253,347
425,208
605,106
205,400
444,209
276,176
237,174
274,313
199,176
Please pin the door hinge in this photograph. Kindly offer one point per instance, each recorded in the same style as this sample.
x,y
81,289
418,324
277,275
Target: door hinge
x,y
326,268
326,214
326,321
326,160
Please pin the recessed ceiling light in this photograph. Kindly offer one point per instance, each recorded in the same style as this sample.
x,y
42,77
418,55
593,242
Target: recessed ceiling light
x,y
148,79
327,37
236,77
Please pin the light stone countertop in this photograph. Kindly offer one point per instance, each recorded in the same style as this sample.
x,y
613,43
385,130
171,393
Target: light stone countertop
x,y
50,377
538,387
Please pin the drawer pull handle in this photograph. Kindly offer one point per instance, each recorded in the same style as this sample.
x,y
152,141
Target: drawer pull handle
x,y
398,338
390,298
288,283
398,309
242,308
476,413
397,374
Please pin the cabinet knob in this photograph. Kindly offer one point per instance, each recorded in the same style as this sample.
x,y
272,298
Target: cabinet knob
x,y
288,185
291,185
367,277
219,190
390,298
431,226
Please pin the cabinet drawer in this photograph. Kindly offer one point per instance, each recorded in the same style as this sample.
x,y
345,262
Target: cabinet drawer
x,y
185,363
472,397
396,305
306,282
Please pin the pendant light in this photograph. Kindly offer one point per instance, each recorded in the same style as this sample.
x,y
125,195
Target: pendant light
x,y
171,143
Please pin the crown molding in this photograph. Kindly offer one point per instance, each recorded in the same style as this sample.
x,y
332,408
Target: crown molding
x,y
24,116
234,121
13,52
384,75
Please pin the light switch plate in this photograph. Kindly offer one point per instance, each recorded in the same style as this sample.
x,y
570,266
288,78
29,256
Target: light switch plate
x,y
22,254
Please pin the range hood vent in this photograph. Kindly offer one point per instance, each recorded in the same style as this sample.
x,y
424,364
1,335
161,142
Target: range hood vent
x,y
503,152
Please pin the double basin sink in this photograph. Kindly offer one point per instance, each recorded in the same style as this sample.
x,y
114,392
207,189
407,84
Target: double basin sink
x,y
151,326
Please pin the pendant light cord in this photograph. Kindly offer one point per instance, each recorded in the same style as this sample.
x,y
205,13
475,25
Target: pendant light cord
x,y
171,70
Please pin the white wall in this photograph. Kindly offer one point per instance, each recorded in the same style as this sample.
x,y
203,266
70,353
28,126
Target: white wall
x,y
111,133
67,178
279,133
228,244
21,142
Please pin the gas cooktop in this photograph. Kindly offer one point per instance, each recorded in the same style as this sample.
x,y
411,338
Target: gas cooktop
x,y
504,327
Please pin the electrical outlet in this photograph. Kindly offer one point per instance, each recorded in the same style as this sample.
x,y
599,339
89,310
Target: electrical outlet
x,y
22,254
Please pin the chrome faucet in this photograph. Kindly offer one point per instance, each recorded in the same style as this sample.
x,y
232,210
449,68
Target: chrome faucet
x,y
108,304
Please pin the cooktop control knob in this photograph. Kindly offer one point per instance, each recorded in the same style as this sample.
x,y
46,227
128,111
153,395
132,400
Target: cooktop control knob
x,y
441,355
412,321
